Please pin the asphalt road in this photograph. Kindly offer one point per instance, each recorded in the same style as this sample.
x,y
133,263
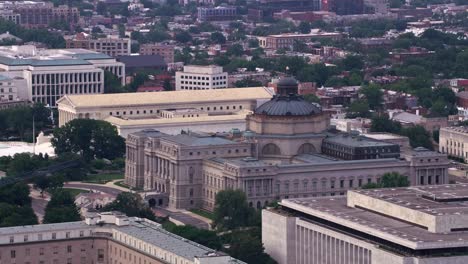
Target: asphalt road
x,y
38,205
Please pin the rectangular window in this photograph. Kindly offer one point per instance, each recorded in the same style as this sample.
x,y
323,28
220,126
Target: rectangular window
x,y
13,254
69,249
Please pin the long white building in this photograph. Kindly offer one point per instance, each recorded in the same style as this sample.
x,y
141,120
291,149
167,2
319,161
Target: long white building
x,y
53,73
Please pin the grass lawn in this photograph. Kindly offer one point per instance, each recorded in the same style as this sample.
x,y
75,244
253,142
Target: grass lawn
x,y
103,178
74,192
203,213
121,184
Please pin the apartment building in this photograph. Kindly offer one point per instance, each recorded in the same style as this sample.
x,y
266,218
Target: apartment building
x,y
108,237
52,73
38,14
415,225
166,51
111,45
287,40
195,77
219,13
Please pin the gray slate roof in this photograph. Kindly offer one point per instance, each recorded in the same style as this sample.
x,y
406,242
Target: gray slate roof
x,y
292,105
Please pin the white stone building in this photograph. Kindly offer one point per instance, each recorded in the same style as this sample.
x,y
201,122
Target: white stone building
x,y
454,142
169,112
53,73
201,78
12,88
415,225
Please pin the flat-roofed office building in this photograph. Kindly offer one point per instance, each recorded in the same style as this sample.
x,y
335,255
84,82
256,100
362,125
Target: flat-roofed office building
x,y
53,73
414,225
103,238
195,77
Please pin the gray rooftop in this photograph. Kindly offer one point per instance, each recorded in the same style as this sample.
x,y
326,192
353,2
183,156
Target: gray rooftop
x,y
188,140
356,141
436,200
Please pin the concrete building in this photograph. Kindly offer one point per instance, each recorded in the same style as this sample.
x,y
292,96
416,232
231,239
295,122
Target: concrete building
x,y
166,51
454,142
415,225
377,6
287,40
355,147
111,45
9,15
278,156
219,13
53,73
103,238
13,88
170,112
39,14
429,123
196,77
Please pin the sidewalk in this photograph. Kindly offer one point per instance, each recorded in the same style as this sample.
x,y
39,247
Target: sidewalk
x,y
110,184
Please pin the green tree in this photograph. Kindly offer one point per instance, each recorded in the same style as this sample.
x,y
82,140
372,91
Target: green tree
x,y
232,211
248,248
312,98
13,215
418,136
248,82
304,27
235,50
203,237
374,95
218,37
183,36
389,180
112,84
130,204
61,208
381,123
89,138
358,108
353,62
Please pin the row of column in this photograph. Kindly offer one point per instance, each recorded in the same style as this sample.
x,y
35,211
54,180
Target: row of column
x,y
65,117
314,247
259,187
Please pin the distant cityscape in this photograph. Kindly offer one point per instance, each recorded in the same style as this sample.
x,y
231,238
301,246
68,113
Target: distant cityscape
x,y
233,131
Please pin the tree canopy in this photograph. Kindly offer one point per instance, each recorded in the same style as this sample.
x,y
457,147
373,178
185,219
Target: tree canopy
x,y
130,204
61,208
232,211
389,180
89,138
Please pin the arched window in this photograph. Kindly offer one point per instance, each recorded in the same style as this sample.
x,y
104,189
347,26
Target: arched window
x,y
306,148
271,149
259,205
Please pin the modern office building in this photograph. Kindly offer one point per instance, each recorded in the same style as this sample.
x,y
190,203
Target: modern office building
x,y
414,225
278,156
219,13
103,238
169,112
111,45
166,51
196,77
53,73
287,40
454,142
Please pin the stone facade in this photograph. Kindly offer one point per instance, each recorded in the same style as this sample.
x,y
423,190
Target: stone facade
x,y
277,157
454,142
106,238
